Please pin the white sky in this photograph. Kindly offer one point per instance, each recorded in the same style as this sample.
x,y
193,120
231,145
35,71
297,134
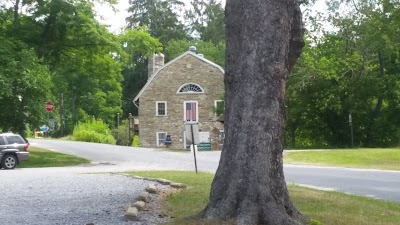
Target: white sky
x,y
116,20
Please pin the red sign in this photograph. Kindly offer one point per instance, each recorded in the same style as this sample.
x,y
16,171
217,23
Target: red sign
x,y
49,106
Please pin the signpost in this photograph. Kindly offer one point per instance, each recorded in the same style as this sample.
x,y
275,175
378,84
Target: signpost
x,y
192,132
351,131
49,107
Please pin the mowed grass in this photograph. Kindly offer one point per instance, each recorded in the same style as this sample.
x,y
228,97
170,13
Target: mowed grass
x,y
330,208
39,157
333,208
386,159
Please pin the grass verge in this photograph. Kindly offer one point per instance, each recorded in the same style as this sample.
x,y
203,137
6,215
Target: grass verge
x,y
330,208
39,157
386,159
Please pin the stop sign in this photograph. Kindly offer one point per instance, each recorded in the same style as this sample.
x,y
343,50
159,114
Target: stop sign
x,y
49,106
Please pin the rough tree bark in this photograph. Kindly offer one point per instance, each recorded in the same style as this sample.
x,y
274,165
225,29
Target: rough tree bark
x,y
264,40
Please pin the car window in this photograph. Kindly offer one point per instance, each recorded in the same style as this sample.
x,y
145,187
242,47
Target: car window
x,y
15,140
2,142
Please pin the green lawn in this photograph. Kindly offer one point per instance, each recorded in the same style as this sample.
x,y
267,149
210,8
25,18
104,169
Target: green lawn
x,y
330,208
45,158
387,159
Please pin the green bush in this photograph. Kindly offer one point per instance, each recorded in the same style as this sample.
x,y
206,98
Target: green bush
x,y
93,131
29,132
136,141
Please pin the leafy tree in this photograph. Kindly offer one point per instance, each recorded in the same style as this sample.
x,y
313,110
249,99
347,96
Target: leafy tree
x,y
86,69
351,70
25,86
80,53
207,19
138,44
319,94
249,185
160,16
369,28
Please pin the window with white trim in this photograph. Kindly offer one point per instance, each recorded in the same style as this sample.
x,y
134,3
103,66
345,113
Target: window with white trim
x,y
190,88
190,111
161,108
219,107
161,136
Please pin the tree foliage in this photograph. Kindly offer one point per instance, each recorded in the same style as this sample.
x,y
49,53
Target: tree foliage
x,y
83,59
138,45
211,51
353,70
25,85
207,19
160,16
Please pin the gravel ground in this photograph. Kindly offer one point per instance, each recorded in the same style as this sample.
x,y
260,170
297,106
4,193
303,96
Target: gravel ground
x,y
46,197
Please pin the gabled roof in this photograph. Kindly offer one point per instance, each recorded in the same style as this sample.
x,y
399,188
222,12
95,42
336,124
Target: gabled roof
x,y
169,63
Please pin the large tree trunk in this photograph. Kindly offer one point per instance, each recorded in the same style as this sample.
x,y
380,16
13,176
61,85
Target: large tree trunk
x,y
264,40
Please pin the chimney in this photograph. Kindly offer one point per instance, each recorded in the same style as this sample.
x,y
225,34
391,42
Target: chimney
x,y
192,49
156,61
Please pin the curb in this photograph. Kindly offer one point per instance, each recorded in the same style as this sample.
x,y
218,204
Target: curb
x,y
132,213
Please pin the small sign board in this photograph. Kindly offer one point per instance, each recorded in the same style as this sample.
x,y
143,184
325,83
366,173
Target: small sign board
x,y
49,106
204,146
44,128
188,128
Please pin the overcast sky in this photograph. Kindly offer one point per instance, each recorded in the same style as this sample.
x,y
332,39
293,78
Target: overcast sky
x,y
116,20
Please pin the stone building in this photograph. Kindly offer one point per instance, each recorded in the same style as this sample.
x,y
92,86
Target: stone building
x,y
185,89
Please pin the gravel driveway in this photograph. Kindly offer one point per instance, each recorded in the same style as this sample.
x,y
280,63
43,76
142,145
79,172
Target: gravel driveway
x,y
50,196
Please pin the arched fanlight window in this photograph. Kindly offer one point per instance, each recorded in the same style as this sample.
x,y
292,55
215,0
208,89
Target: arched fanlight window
x,y
190,88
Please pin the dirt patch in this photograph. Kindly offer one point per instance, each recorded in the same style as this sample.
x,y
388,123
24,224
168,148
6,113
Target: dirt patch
x,y
154,212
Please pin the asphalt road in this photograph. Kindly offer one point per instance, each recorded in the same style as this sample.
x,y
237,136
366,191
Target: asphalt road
x,y
372,183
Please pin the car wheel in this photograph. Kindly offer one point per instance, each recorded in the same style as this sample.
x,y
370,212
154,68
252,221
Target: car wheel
x,y
9,162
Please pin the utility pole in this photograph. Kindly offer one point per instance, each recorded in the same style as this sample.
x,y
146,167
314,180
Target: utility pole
x,y
130,126
117,128
61,104
351,131
73,105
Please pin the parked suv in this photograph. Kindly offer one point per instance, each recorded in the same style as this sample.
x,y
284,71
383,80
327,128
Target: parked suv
x,y
13,150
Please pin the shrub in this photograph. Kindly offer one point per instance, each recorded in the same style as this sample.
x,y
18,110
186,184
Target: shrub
x,y
136,141
93,131
29,132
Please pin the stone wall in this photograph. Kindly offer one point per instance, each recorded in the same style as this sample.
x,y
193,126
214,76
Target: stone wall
x,y
164,87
